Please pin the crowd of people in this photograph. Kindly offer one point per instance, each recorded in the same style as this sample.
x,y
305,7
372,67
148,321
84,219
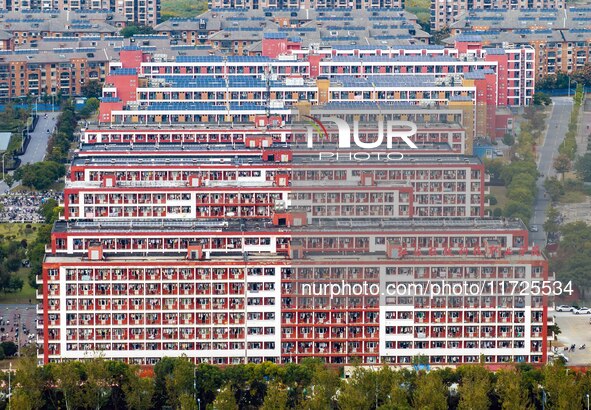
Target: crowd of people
x,y
24,206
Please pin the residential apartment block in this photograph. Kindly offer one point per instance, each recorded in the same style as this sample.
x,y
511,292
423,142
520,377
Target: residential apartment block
x,y
241,31
217,195
140,12
561,38
206,253
445,12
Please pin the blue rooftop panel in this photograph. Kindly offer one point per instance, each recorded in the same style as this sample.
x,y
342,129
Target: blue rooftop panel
x,y
199,59
248,59
124,71
274,36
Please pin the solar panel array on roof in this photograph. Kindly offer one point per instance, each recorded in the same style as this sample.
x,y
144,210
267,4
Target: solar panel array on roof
x,y
386,9
150,37
229,10
386,81
299,29
248,59
369,105
472,37
26,51
274,36
185,106
278,9
533,31
247,107
124,71
334,18
391,37
199,82
495,51
339,38
350,28
199,59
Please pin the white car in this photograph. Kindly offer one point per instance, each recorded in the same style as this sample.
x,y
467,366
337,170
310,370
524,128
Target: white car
x,y
582,311
564,308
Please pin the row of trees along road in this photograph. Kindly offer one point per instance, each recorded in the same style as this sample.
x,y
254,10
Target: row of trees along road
x,y
519,177
177,383
572,259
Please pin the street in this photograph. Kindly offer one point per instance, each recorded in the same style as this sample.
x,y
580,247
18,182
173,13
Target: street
x,y
557,128
38,144
39,138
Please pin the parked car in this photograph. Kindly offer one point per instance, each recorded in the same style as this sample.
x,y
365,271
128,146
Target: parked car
x,y
582,311
498,153
564,308
534,228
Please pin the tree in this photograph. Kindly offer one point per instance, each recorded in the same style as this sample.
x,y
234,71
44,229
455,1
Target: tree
x,y
583,75
208,379
541,99
562,390
508,139
131,31
225,400
326,382
474,389
554,188
9,180
367,389
562,164
180,381
583,167
66,377
29,381
96,389
511,392
515,209
430,392
138,391
552,223
90,106
276,397
40,175
9,348
92,89
573,257
494,167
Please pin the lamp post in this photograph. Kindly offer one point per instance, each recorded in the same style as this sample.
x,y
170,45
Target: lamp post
x,y
587,401
9,383
195,387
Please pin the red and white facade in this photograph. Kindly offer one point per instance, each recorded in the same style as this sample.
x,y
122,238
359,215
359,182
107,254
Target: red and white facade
x,y
197,219
127,276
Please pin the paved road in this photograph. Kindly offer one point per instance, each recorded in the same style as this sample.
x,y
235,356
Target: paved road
x,y
575,330
557,128
38,143
39,139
